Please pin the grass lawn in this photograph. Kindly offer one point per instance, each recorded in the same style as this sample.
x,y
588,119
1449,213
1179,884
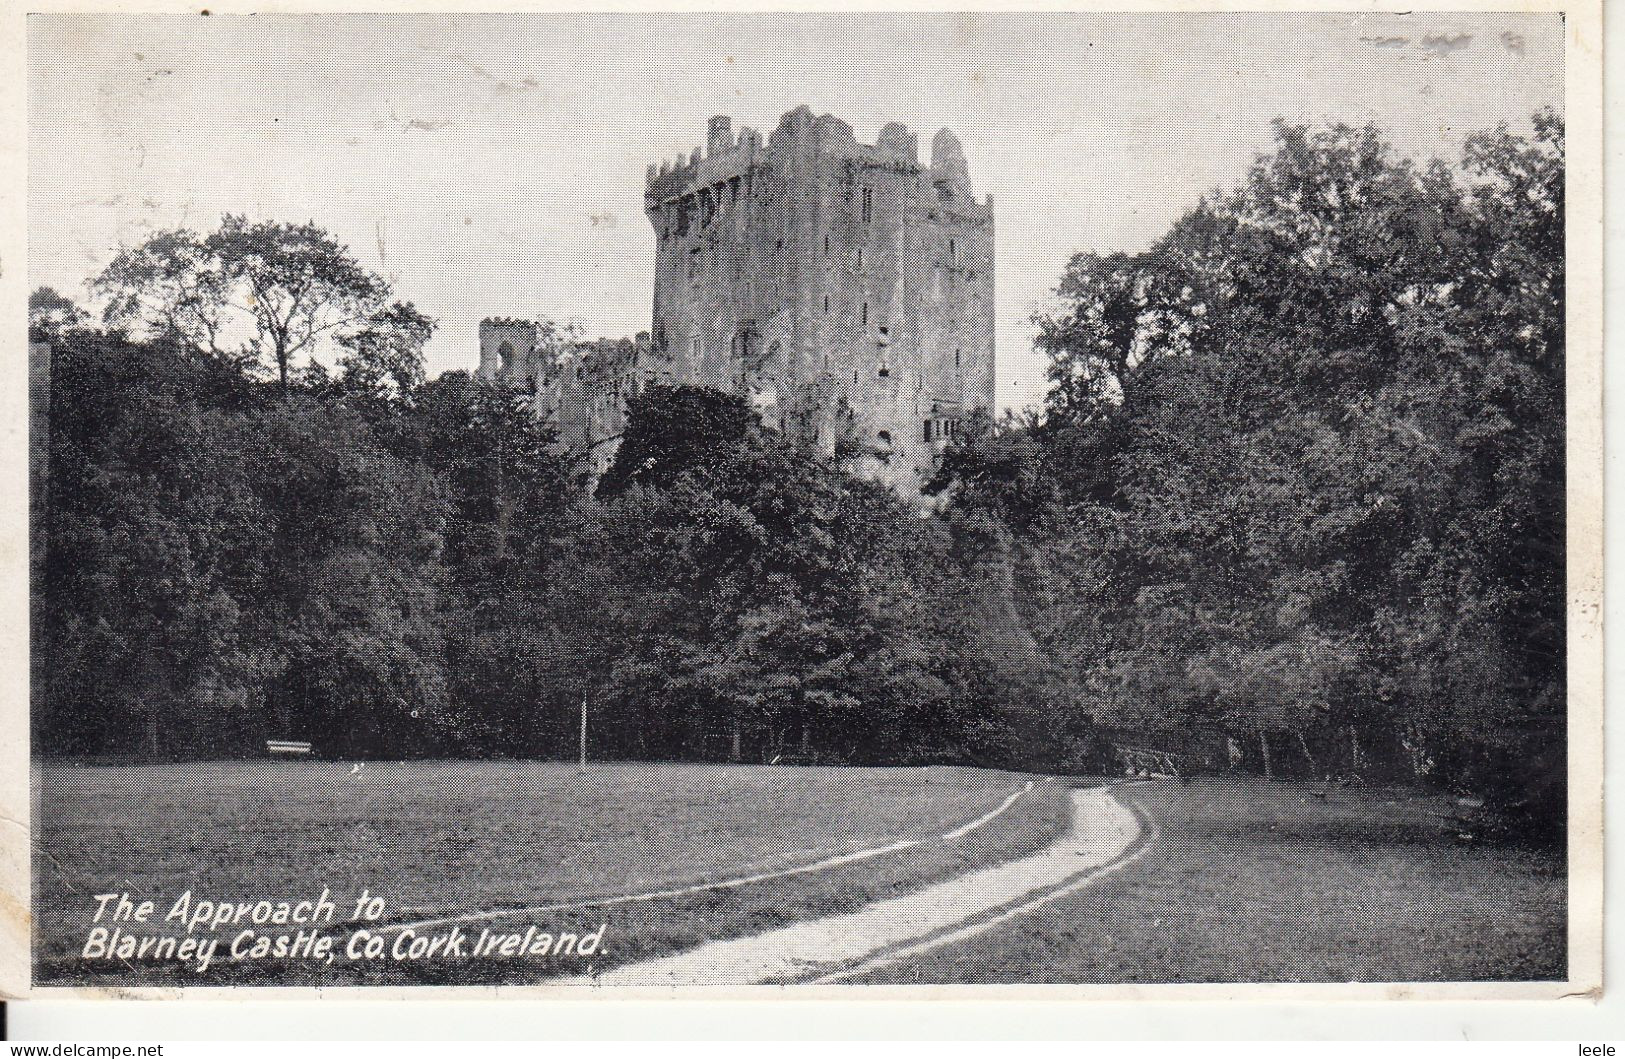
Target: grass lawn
x,y
454,836
1249,881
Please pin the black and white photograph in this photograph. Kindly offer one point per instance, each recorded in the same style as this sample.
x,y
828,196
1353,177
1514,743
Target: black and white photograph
x,y
847,504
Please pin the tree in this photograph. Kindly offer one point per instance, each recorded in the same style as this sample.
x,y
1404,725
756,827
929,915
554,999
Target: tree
x,y
51,315
153,558
352,602
219,569
170,287
384,355
1309,445
260,293
672,430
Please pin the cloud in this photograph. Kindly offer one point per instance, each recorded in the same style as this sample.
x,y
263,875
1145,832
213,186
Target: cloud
x,y
1445,43
500,86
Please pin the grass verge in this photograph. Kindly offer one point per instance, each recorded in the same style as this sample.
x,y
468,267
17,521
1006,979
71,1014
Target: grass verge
x,y
436,837
1247,881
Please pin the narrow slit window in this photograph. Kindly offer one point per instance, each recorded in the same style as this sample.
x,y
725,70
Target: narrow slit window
x,y
868,205
863,314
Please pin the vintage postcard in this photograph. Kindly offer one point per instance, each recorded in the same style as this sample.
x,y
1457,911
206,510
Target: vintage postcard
x,y
1056,503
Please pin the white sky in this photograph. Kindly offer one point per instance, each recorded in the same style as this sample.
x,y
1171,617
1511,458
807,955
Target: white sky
x,y
494,165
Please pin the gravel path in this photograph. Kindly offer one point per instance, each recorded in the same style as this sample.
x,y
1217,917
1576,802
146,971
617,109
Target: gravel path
x,y
832,947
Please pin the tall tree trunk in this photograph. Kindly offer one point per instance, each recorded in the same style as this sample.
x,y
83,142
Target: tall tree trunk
x,y
282,363
734,754
1314,768
1264,747
1354,751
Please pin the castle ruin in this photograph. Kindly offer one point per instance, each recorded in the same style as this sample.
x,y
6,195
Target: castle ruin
x,y
845,288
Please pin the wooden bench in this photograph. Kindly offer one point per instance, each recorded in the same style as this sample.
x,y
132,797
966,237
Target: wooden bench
x,y
275,747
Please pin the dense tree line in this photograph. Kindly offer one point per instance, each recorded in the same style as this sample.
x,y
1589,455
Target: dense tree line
x,y
1294,503
1301,469
274,527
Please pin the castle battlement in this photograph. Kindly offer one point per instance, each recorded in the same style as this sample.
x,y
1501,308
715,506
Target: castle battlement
x,y
726,158
505,322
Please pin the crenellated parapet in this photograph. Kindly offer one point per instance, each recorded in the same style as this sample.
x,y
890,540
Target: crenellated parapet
x,y
718,169
726,157
506,321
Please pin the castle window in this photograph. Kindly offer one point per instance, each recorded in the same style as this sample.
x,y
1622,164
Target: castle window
x,y
868,205
860,257
885,372
826,305
854,375
694,347
953,252
956,358
863,315
826,244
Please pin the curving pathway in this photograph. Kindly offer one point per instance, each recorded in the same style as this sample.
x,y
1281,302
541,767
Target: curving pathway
x,y
883,932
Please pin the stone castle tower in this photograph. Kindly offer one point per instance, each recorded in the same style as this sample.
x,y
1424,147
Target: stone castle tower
x,y
846,288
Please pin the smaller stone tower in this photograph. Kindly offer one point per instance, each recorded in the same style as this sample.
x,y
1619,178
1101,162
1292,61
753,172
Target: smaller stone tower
x,y
507,348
